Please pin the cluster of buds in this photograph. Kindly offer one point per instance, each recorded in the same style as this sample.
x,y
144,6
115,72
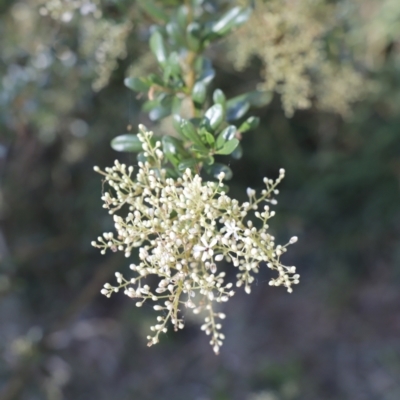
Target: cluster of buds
x,y
184,229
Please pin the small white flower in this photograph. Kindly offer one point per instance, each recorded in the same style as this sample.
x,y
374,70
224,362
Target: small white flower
x,y
231,229
206,250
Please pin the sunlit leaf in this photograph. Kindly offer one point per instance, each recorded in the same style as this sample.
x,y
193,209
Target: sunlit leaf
x,y
152,9
215,116
228,147
137,84
128,142
157,47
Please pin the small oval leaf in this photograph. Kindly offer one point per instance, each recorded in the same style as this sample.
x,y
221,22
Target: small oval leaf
x,y
157,47
249,124
228,147
227,134
190,132
193,33
199,93
128,142
173,149
153,10
232,19
237,109
215,116
237,153
219,97
136,84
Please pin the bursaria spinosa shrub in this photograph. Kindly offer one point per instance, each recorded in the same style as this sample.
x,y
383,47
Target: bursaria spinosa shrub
x,y
184,229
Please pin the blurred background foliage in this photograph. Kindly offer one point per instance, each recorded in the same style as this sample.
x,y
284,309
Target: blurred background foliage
x,y
62,100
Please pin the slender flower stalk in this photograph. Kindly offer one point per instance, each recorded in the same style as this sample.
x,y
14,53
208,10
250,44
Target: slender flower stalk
x,y
184,228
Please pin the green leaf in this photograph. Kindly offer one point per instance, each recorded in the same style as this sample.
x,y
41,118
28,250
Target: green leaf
x,y
238,106
172,66
155,79
232,19
258,98
217,168
236,109
228,147
137,84
128,142
174,32
199,93
205,70
160,107
173,149
159,113
201,150
190,133
157,47
214,116
209,138
176,122
250,124
176,104
237,153
189,163
193,33
151,8
209,160
227,134
219,97
182,16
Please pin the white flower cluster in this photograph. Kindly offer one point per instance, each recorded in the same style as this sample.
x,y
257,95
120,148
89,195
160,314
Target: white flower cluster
x,y
63,10
183,229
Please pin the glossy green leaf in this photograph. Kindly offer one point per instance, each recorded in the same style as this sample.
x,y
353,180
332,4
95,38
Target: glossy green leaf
x,y
237,153
189,163
209,138
201,150
250,124
128,142
231,19
228,147
238,106
199,93
182,16
159,112
219,97
227,134
176,122
172,66
173,149
157,47
207,76
152,9
193,36
236,109
155,79
259,99
217,168
174,32
190,133
214,116
137,84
